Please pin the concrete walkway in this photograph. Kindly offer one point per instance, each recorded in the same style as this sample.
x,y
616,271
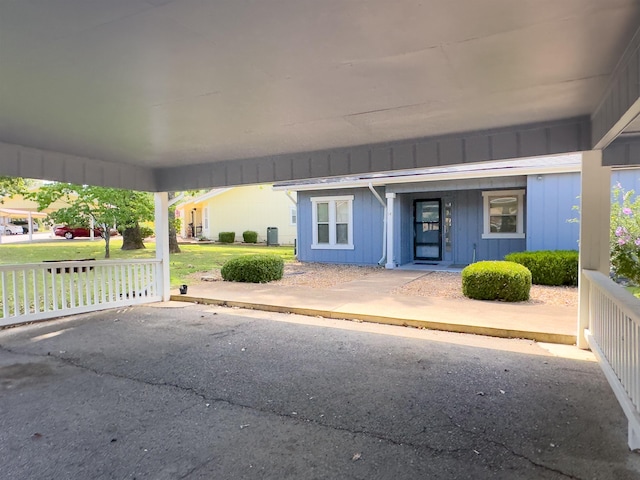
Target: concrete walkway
x,y
370,299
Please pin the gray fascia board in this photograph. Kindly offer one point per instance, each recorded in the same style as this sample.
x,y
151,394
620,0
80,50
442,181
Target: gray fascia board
x,y
548,138
539,139
434,177
620,103
27,162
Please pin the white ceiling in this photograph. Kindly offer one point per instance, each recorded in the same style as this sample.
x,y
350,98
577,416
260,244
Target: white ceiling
x,y
159,83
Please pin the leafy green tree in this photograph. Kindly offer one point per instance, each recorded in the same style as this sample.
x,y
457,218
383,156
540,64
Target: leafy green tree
x,y
10,186
174,223
108,207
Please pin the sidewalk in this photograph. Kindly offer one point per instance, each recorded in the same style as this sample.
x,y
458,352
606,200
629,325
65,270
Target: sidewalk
x,y
369,299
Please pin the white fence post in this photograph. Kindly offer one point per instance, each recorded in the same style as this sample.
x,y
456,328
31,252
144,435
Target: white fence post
x,y
595,208
162,244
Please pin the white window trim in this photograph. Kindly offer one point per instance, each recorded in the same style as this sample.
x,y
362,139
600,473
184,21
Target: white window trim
x,y
205,219
332,245
487,233
293,212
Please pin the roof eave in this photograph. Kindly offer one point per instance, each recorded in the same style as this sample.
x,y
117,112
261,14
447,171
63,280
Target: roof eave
x,y
433,177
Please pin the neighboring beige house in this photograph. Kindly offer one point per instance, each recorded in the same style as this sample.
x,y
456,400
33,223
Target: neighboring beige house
x,y
237,209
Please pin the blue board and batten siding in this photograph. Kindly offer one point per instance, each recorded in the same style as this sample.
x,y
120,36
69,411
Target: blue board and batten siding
x,y
468,227
549,202
367,229
629,179
552,201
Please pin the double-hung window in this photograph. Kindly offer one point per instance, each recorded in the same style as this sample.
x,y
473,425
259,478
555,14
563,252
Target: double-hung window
x,y
332,222
503,214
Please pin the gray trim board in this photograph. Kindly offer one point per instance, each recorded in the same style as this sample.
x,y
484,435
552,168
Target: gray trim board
x,y
549,138
622,152
21,161
620,103
562,136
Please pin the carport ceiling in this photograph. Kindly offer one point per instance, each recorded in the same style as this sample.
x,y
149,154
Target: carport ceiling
x,y
159,83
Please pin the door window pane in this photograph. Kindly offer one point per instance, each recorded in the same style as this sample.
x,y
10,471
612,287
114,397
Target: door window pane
x,y
430,212
427,251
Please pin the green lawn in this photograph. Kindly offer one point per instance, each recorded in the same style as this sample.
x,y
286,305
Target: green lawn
x,y
635,291
193,258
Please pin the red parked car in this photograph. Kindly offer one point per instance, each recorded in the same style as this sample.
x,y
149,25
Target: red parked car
x,y
72,232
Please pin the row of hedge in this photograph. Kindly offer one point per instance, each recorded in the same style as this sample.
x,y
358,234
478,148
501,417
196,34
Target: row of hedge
x,y
511,280
253,269
549,267
248,236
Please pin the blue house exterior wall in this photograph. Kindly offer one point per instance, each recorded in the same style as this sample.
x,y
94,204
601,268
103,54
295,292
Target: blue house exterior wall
x,y
628,178
550,200
367,229
468,244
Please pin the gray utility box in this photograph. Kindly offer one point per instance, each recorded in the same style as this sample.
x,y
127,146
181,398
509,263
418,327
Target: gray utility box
x,y
272,236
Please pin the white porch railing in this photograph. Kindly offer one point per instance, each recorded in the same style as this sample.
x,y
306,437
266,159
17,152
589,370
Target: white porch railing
x,y
614,338
53,289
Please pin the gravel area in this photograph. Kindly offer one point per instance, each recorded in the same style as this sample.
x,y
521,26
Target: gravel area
x,y
431,284
449,285
318,275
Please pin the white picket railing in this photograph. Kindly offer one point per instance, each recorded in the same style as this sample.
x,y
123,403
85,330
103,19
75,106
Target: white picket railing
x,y
39,291
614,337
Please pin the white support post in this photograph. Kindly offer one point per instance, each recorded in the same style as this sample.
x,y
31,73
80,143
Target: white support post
x,y
30,224
595,212
162,243
390,205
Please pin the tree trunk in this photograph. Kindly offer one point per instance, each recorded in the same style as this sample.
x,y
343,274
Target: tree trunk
x,y
107,236
173,236
132,238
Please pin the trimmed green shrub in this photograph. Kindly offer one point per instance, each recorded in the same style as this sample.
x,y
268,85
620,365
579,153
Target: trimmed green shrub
x,y
498,280
549,267
250,236
253,269
227,237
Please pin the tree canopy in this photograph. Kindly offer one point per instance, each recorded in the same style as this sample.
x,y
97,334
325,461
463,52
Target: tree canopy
x,y
107,207
10,186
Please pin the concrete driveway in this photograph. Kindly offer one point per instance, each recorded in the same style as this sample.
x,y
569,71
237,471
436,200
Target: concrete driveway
x,y
197,392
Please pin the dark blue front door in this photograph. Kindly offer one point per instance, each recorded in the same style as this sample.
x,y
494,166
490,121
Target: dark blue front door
x,y
427,230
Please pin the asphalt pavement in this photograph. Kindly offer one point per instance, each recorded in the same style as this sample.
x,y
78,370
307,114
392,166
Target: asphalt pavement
x,y
183,391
